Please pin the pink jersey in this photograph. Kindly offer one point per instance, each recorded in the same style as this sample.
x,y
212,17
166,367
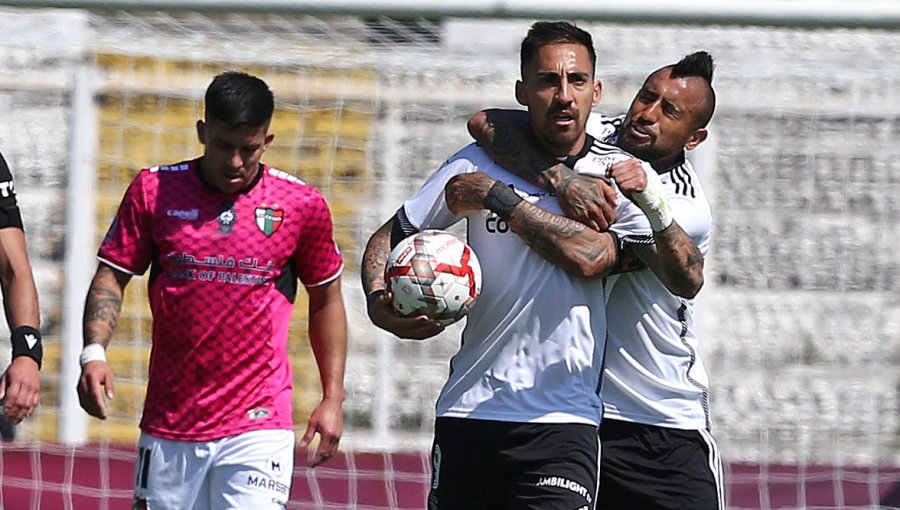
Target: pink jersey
x,y
223,277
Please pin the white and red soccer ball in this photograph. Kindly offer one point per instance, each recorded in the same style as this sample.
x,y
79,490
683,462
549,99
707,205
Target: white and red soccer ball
x,y
433,273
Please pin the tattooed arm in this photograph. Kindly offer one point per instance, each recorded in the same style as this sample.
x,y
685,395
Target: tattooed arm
x,y
101,316
507,137
564,242
673,257
378,300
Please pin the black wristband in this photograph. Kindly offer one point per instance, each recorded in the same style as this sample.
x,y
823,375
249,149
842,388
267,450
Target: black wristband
x,y
501,200
26,341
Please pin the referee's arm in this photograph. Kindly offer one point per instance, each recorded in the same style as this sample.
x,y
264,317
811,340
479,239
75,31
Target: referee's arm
x,y
20,385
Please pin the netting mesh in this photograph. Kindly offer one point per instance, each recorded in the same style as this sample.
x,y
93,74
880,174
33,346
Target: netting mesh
x,y
800,314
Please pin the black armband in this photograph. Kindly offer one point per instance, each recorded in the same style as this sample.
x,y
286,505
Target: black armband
x,y
626,260
501,200
26,341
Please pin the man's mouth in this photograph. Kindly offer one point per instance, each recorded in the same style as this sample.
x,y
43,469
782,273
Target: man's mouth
x,y
563,118
639,132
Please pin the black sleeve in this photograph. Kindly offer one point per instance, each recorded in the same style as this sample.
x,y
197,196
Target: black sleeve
x,y
9,208
401,228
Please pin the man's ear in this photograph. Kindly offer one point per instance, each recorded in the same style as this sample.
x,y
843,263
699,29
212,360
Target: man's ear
x,y
696,138
201,132
520,93
598,92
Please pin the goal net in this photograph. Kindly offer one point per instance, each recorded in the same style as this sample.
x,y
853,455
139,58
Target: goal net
x,y
799,316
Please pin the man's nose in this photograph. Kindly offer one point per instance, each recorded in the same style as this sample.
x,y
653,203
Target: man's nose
x,y
236,161
564,92
650,114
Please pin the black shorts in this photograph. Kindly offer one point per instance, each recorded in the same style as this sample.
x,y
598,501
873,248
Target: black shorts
x,y
647,467
495,465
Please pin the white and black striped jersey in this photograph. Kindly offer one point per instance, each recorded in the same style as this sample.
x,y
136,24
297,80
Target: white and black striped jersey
x,y
653,373
532,347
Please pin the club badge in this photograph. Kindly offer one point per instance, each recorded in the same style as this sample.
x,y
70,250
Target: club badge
x,y
269,219
227,217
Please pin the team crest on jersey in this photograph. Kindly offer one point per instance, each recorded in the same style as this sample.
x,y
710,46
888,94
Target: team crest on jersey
x,y
269,219
227,217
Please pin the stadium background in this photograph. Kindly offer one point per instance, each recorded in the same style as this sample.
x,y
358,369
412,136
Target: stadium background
x,y
800,315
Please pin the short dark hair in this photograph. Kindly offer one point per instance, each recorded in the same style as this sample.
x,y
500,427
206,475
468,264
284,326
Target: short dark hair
x,y
698,65
543,33
239,99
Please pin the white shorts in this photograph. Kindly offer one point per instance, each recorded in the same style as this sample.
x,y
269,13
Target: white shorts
x,y
250,470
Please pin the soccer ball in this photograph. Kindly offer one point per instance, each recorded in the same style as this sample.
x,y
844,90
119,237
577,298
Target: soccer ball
x,y
433,273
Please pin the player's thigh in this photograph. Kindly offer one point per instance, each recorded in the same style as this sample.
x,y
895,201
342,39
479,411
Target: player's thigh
x,y
657,468
171,475
556,469
253,471
463,472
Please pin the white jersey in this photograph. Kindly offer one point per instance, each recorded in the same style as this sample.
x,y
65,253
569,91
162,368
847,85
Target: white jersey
x,y
653,373
532,346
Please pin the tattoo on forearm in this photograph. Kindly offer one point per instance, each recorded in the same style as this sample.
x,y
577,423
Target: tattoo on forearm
x,y
101,314
373,265
675,260
557,238
681,245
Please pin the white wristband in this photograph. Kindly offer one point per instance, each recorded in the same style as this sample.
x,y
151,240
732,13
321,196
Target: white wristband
x,y
92,352
651,201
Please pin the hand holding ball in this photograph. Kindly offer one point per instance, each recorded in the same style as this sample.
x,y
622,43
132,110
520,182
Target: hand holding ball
x,y
433,273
